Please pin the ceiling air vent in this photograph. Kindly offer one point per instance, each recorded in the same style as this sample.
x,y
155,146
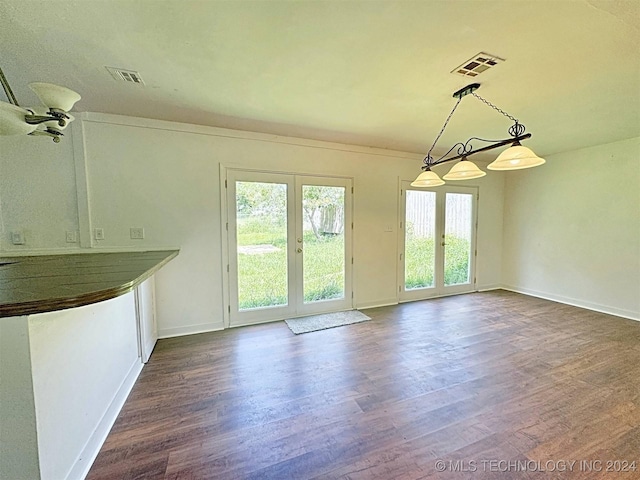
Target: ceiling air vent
x,y
477,64
129,76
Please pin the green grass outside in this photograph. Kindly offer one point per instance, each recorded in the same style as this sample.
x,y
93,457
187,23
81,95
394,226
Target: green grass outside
x,y
419,262
262,279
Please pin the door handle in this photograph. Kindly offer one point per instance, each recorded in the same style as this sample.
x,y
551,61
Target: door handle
x,y
299,250
443,244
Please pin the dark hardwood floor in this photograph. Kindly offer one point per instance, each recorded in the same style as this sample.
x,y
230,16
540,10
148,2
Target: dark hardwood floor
x,y
486,385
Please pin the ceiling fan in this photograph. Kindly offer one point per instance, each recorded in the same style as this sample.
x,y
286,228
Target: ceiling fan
x,y
49,120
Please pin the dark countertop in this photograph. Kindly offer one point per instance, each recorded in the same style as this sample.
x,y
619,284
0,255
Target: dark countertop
x,y
45,283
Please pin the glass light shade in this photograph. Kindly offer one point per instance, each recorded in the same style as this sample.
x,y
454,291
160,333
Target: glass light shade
x,y
516,158
427,179
464,170
12,120
55,96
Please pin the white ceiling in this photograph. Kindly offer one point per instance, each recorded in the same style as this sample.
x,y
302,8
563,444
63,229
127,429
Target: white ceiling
x,y
373,73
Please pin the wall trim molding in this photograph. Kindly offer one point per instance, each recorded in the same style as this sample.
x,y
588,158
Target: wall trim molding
x,y
82,185
596,307
489,287
380,303
241,134
188,330
87,456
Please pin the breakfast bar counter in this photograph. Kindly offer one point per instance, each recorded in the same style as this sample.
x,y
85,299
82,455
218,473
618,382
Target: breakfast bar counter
x,y
46,283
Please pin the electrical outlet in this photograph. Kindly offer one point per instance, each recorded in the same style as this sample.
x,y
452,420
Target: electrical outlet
x,y
17,238
72,237
136,233
98,233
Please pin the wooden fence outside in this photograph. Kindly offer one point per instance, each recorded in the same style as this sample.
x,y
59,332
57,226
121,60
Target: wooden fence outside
x,y
420,214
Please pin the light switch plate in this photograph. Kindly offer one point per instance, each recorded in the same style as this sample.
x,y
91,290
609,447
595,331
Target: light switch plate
x,y
98,233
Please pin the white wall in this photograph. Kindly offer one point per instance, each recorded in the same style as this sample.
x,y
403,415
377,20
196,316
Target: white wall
x,y
166,178
37,192
77,400
572,229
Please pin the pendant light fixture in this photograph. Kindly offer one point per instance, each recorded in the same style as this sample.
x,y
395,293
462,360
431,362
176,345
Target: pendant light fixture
x,y
427,179
464,170
515,157
49,120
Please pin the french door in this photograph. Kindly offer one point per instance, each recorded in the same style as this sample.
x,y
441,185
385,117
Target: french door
x,y
289,245
437,241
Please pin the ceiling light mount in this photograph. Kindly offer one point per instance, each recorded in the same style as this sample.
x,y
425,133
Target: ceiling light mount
x,y
466,90
514,158
50,121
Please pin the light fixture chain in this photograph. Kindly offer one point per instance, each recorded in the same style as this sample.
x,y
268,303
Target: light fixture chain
x,y
427,159
494,107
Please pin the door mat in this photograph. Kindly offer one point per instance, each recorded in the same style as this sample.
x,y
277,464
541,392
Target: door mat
x,y
326,320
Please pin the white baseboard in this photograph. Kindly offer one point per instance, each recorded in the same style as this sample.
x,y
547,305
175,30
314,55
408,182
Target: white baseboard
x,y
596,307
380,303
188,330
487,288
91,449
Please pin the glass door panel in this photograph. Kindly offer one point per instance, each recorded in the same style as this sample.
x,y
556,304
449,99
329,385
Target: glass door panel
x,y
323,243
260,252
419,240
261,216
458,231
